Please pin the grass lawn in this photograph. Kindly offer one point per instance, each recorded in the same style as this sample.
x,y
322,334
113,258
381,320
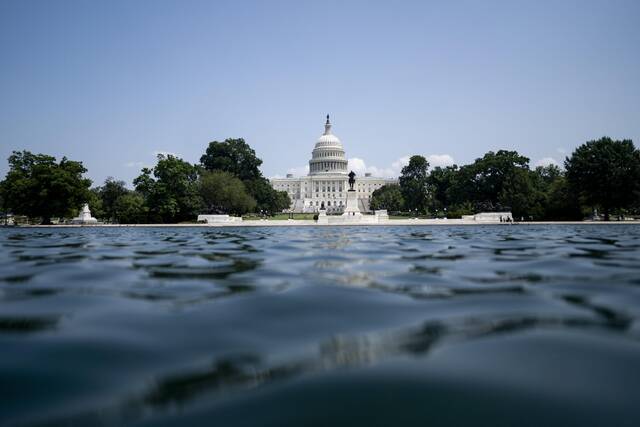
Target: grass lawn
x,y
295,216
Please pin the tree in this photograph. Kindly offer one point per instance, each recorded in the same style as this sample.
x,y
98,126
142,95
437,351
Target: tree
x,y
387,197
414,184
130,208
267,198
109,193
553,199
224,193
520,195
3,207
561,203
482,182
605,173
441,180
234,156
281,201
170,190
115,202
494,169
37,186
548,174
95,203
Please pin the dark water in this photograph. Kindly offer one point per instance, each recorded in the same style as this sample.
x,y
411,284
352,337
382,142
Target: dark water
x,y
511,325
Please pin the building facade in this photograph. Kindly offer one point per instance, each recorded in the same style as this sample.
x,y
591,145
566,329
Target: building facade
x,y
326,184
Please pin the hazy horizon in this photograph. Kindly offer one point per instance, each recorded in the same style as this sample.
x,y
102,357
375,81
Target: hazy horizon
x,y
113,83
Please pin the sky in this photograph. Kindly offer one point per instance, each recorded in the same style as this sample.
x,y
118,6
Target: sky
x,y
113,83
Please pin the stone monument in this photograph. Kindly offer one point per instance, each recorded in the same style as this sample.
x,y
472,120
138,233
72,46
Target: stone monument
x,y
84,217
351,210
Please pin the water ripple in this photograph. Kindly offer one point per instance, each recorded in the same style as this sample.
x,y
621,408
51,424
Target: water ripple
x,y
123,325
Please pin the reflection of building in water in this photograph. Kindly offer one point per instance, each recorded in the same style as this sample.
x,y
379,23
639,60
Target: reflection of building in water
x,y
353,351
326,184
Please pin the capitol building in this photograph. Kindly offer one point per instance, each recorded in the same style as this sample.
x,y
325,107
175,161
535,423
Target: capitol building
x,y
326,185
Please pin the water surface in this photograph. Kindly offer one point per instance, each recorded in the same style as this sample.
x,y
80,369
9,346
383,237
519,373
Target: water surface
x,y
477,325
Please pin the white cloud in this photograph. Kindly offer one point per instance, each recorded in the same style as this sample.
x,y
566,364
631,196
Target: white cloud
x,y
399,164
561,150
360,167
441,160
299,170
357,165
140,165
393,171
546,161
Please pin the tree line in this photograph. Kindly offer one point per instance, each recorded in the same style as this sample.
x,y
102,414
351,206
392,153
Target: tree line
x,y
227,180
602,175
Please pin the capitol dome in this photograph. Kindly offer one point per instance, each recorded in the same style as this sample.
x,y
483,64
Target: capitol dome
x,y
328,156
327,138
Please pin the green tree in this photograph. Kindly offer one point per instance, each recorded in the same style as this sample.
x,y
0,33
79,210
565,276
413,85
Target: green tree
x,y
561,202
38,186
605,173
114,202
130,208
3,207
267,198
463,187
482,182
388,197
109,193
554,200
548,174
457,210
414,184
441,180
224,193
520,194
234,156
170,190
95,203
281,201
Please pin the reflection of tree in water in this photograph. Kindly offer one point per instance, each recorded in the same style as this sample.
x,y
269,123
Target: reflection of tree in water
x,y
24,325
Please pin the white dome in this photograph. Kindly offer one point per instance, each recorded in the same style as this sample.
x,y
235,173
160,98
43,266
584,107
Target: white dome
x,y
328,156
327,138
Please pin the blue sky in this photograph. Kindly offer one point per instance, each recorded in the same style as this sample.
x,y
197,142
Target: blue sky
x,y
111,83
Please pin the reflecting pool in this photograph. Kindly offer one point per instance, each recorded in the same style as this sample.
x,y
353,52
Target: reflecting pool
x,y
371,326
